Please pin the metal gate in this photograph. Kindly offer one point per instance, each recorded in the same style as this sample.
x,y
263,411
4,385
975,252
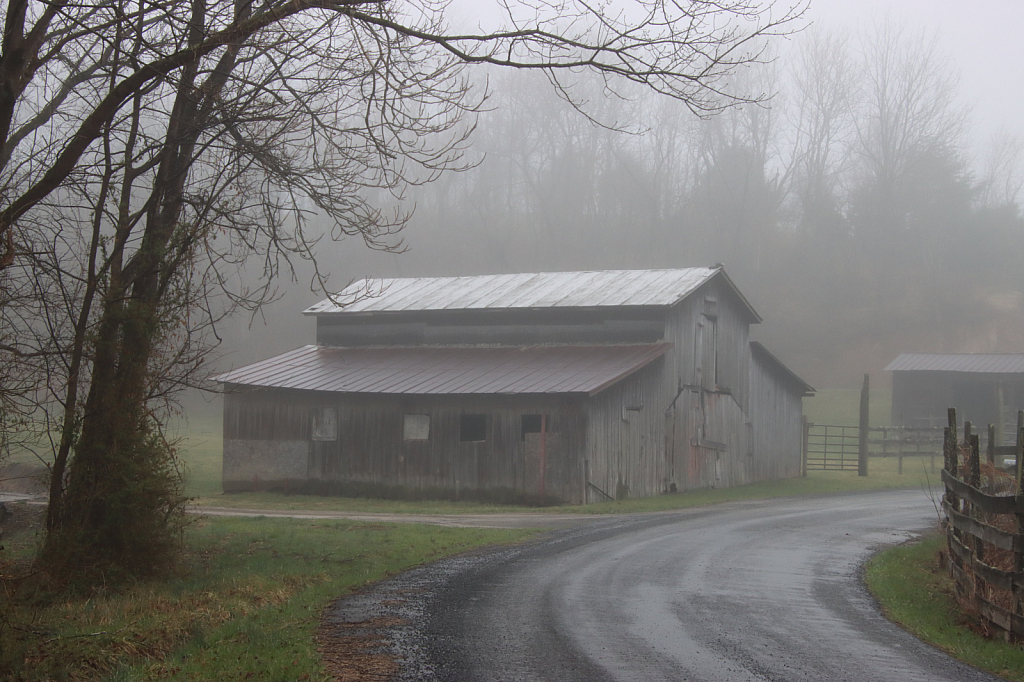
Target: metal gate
x,y
831,448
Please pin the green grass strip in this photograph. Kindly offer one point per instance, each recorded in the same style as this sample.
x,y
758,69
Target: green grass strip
x,y
916,593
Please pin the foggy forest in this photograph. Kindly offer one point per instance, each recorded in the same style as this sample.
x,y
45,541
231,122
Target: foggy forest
x,y
856,204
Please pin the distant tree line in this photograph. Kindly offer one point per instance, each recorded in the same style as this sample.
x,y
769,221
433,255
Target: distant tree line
x,y
848,206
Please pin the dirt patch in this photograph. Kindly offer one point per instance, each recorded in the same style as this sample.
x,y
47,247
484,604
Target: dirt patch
x,y
24,479
358,652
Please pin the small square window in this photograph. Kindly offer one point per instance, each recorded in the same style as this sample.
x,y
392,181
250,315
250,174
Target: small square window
x,y
325,424
473,428
530,423
417,427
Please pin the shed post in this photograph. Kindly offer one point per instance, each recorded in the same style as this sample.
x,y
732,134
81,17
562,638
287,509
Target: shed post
x,y
543,454
862,454
1018,556
1020,447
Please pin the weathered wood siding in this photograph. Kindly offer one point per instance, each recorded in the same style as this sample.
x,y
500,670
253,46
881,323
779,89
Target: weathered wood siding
x,y
776,415
625,438
706,388
509,327
370,447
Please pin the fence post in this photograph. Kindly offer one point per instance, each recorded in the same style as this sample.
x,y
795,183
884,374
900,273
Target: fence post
x,y
990,456
974,462
1018,557
951,458
899,446
862,455
806,437
968,429
1020,447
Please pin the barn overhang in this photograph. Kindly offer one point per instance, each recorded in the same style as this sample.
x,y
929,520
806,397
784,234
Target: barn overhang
x,y
442,370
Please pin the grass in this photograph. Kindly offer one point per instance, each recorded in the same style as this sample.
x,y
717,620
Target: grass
x,y
917,594
841,406
245,603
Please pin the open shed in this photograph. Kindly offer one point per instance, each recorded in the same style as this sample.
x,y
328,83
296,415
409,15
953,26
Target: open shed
x,y
986,388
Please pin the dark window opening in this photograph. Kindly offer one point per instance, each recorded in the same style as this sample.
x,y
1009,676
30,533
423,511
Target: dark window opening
x,y
530,423
473,428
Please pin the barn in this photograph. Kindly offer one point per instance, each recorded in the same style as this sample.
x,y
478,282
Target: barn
x,y
568,386
986,388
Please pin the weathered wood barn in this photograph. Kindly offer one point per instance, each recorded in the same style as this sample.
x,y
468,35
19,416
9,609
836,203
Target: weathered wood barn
x,y
986,388
575,386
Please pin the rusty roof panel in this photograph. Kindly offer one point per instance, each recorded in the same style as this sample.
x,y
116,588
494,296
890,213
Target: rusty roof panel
x,y
982,363
433,370
529,290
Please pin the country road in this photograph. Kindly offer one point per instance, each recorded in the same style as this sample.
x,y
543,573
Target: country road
x,y
766,590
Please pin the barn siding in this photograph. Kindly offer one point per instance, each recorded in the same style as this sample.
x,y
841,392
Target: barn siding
x,y
370,448
776,411
707,418
625,436
564,326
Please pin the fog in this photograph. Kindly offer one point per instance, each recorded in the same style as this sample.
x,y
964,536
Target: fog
x,y
869,208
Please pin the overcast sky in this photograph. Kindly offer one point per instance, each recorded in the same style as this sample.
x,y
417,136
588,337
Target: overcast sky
x,y
982,36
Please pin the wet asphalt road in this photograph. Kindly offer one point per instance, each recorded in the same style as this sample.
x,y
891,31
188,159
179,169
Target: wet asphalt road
x,y
748,591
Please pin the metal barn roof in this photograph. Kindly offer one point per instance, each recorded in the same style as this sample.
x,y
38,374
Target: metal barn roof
x,y
449,370
982,363
531,290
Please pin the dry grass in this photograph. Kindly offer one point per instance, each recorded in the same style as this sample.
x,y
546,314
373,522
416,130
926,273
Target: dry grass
x,y
247,605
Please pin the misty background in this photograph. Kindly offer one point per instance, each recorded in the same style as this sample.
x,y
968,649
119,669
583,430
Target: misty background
x,y
871,207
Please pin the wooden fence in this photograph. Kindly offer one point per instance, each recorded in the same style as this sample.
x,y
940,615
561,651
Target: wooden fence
x,y
985,530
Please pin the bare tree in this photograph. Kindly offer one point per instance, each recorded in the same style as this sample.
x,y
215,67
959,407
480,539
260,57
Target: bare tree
x,y
1000,177
152,152
822,105
908,114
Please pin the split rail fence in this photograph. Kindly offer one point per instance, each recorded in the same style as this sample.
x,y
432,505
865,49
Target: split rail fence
x,y
985,530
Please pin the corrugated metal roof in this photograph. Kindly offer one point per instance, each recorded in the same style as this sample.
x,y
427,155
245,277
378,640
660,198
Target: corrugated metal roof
x,y
530,290
449,370
983,363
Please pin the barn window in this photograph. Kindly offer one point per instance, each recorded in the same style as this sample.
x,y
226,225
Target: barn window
x,y
529,423
325,424
417,426
473,428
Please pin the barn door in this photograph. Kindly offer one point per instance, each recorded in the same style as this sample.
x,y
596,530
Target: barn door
x,y
705,352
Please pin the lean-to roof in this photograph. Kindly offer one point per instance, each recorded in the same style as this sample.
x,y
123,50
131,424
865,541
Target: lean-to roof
x,y
434,370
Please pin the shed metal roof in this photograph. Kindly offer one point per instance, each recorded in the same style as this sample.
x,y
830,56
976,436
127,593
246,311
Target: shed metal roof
x,y
429,370
530,290
982,363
